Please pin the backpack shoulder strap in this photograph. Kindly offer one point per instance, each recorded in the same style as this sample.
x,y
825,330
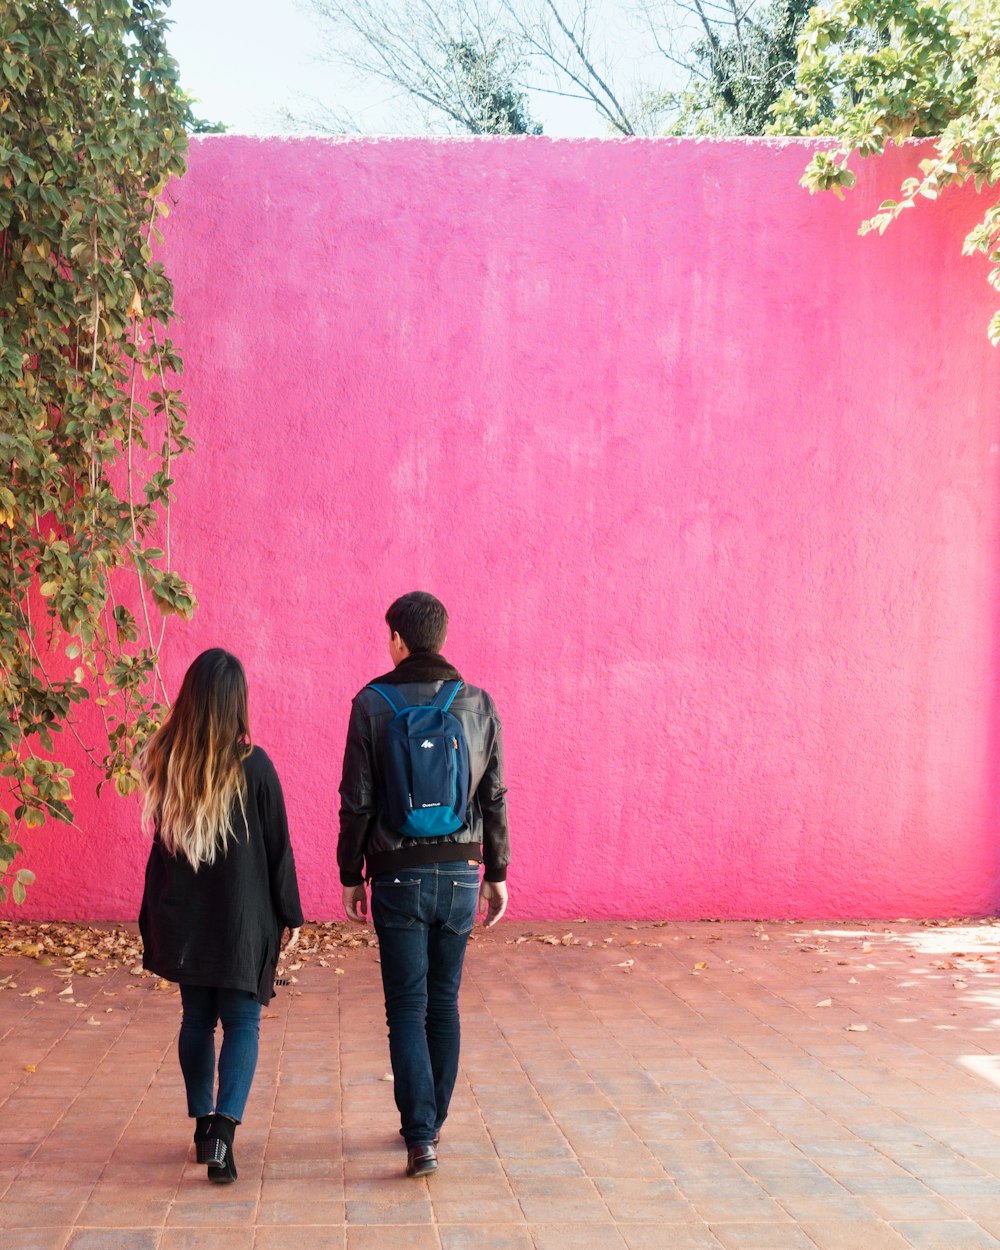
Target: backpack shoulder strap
x,y
391,695
444,697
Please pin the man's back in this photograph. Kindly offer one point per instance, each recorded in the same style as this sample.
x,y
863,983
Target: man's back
x,y
365,826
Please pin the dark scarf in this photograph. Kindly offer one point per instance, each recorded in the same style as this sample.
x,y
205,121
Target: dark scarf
x,y
420,666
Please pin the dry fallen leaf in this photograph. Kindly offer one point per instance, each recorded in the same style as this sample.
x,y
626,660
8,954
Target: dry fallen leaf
x,y
626,964
31,1067
857,1028
825,1002
702,963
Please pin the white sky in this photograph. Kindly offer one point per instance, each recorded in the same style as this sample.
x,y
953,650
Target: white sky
x,y
246,60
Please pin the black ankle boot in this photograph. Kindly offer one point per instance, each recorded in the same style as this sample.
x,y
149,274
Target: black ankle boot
x,y
202,1130
221,1160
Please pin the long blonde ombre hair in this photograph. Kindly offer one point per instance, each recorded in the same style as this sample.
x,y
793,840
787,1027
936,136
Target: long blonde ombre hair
x,y
192,767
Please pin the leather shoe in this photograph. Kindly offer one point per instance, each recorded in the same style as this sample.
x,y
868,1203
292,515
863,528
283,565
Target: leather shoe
x,y
420,1160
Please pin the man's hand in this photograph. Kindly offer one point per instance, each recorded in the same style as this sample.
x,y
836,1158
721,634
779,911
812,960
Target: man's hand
x,y
493,901
293,939
356,903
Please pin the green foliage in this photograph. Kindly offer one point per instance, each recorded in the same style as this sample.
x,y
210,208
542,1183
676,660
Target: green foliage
x,y
92,127
739,72
494,105
875,71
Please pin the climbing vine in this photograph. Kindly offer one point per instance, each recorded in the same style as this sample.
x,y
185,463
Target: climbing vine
x,y
93,127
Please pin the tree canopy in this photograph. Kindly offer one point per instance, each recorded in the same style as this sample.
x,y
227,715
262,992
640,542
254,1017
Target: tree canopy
x,y
874,72
646,67
740,59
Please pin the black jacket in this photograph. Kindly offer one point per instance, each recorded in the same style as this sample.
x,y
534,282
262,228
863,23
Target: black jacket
x,y
367,840
221,926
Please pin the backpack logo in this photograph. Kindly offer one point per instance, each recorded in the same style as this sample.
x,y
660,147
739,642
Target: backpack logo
x,y
426,791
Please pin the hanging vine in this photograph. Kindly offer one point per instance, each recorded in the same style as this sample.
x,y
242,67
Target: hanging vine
x,y
92,128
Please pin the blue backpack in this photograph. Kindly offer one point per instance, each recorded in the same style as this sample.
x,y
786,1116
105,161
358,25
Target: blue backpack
x,y
425,761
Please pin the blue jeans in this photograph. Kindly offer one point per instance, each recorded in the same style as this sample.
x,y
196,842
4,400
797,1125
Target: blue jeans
x,y
239,1012
423,918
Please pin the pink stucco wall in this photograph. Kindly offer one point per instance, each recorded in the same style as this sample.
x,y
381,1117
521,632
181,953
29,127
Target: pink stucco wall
x,y
708,482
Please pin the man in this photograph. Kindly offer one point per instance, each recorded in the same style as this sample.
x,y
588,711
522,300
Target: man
x,y
425,889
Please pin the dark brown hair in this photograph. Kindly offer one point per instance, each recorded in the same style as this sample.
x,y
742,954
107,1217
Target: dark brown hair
x,y
420,620
192,767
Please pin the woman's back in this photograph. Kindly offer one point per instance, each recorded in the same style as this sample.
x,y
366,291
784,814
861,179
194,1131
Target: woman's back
x,y
220,924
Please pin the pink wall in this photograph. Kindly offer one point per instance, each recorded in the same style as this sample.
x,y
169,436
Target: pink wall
x,y
708,483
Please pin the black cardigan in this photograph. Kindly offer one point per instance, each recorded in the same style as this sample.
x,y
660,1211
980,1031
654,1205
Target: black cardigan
x,y
221,926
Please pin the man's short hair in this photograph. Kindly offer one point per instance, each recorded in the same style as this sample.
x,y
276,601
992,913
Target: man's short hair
x,y
420,620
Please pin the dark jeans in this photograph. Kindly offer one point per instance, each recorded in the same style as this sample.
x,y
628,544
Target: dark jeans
x,y
239,1012
423,918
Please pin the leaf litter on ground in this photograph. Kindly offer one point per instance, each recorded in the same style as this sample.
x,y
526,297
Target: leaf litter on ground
x,y
83,950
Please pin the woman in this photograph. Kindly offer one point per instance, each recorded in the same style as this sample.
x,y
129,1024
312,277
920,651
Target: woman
x,y
220,888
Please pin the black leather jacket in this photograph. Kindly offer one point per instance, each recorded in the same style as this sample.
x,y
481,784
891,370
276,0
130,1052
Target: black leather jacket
x,y
366,838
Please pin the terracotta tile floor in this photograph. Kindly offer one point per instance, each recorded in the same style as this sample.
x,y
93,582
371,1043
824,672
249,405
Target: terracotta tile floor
x,y
646,1087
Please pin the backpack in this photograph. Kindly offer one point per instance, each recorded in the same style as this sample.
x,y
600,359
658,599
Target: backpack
x,y
425,761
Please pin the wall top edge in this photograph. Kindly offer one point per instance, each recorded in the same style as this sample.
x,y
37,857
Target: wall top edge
x,y
771,141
